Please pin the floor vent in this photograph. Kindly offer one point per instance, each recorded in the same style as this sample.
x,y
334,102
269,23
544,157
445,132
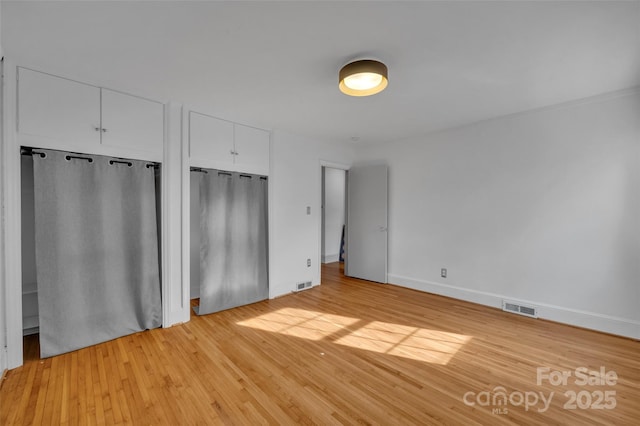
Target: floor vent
x,y
516,308
303,286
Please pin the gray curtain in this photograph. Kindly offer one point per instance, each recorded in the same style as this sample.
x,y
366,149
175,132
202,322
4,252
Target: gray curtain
x,y
96,250
233,240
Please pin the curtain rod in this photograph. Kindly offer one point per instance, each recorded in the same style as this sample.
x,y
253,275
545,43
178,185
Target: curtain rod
x,y
77,157
220,172
30,151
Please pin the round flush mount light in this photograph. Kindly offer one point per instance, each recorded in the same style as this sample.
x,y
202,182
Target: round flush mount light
x,y
363,78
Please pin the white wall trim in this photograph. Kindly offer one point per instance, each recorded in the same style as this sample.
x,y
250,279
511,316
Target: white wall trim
x,y
270,212
320,260
3,318
12,221
173,307
186,209
591,320
334,165
165,271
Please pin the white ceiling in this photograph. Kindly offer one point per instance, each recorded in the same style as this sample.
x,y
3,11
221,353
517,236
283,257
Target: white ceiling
x,y
275,64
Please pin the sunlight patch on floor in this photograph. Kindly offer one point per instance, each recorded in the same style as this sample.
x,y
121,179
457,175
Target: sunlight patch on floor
x,y
433,346
300,323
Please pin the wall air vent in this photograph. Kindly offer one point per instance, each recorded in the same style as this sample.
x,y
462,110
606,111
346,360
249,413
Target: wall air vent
x,y
303,286
517,308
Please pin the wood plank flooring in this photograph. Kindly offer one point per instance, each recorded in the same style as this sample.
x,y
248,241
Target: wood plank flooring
x,y
347,352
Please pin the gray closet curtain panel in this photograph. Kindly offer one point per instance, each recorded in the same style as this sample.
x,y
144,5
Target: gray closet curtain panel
x,y
233,244
96,250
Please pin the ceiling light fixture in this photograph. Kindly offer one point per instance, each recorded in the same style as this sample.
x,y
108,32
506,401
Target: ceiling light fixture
x,y
363,78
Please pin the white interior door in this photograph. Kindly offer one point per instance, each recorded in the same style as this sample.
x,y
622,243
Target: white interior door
x,y
366,251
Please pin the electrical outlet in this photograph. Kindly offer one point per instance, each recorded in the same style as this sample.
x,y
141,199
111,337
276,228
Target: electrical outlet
x,y
443,272
308,210
308,263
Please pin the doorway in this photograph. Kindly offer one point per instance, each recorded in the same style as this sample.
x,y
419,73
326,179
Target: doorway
x,y
364,190
333,215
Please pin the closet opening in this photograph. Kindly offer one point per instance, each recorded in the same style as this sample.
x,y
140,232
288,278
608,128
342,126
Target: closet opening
x,y
91,253
228,239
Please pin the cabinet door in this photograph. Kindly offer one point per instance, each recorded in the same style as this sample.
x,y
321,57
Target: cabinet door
x,y
252,148
131,122
56,112
210,142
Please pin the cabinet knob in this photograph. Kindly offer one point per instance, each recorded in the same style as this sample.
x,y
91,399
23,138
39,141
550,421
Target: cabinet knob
x,y
104,130
97,129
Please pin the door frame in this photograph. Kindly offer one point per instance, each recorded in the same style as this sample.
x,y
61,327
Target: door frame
x,y
12,221
332,165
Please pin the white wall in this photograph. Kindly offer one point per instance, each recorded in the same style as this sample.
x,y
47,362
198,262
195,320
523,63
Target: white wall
x,y
3,326
334,188
541,207
295,182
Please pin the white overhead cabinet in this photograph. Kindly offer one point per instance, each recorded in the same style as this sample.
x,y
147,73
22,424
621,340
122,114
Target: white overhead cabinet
x,y
211,142
57,109
224,145
251,150
58,113
131,122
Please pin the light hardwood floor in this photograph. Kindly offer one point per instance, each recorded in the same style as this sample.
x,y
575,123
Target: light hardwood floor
x,y
349,351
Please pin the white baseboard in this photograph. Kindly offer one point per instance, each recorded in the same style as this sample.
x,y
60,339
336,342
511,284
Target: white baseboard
x,y
591,320
330,258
